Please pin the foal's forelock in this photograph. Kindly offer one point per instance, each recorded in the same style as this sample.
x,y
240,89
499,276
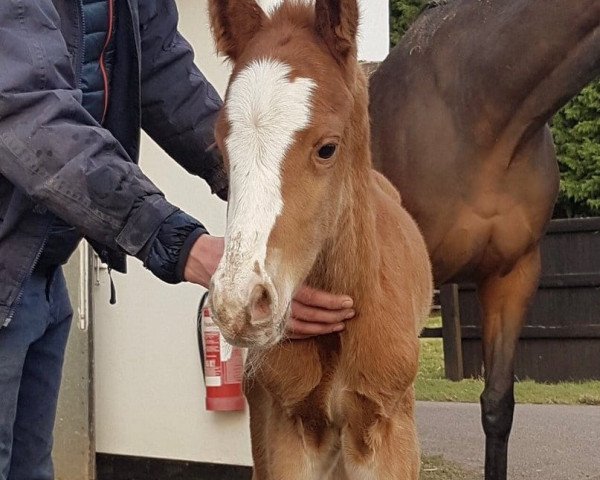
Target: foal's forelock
x,y
270,6
265,110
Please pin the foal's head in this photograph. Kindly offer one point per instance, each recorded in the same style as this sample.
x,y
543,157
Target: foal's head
x,y
286,134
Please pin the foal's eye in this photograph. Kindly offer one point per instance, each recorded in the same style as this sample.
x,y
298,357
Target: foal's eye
x,y
327,151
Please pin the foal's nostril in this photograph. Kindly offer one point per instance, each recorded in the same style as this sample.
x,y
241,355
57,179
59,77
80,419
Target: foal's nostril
x,y
260,303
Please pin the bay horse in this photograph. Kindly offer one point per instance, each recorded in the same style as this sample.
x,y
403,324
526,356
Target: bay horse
x,y
306,206
459,115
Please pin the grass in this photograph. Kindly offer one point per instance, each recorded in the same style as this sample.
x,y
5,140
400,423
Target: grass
x,y
432,386
436,468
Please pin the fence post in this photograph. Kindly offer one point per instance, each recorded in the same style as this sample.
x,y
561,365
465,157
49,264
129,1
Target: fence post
x,y
451,332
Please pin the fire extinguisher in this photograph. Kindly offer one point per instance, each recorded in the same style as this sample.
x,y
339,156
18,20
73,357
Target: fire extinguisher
x,y
222,364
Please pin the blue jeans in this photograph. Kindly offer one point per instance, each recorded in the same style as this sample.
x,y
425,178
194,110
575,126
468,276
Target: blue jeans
x,y
32,350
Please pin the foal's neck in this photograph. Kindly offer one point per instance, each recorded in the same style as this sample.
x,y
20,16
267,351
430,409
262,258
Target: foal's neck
x,y
349,260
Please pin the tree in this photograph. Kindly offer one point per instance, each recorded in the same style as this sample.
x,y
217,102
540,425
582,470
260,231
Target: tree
x,y
402,14
576,131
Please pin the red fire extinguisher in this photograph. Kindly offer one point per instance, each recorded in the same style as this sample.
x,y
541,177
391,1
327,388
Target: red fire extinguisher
x,y
223,365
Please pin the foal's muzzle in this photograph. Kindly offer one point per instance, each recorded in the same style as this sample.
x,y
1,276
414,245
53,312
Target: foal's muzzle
x,y
247,312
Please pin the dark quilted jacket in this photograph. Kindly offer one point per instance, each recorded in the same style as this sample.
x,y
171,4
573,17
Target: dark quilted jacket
x,y
99,22
56,157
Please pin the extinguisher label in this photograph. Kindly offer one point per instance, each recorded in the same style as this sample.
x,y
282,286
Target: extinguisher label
x,y
233,370
212,351
223,364
226,350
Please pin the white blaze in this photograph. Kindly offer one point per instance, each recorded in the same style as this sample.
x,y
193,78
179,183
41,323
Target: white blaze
x,y
265,110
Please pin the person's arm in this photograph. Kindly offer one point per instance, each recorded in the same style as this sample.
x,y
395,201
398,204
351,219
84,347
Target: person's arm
x,y
55,152
179,105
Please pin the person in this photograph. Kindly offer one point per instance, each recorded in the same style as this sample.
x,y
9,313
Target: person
x,y
78,79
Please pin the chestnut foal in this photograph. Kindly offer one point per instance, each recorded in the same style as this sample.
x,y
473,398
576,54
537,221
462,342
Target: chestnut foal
x,y
305,205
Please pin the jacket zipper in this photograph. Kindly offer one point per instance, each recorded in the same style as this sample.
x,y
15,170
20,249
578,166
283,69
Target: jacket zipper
x,y
81,50
36,260
102,59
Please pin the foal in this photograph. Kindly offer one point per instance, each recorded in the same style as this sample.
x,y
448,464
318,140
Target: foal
x,y
305,205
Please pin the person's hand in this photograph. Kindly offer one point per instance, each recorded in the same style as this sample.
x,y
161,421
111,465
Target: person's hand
x,y
313,312
203,260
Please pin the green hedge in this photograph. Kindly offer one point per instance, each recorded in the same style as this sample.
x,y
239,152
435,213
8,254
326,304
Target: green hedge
x,y
402,14
576,130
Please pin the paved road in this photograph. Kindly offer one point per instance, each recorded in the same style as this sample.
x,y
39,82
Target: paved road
x,y
548,442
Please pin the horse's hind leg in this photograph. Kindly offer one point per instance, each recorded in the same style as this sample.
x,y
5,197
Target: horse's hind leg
x,y
504,301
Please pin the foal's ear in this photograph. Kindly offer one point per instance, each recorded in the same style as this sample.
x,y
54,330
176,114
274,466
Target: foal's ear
x,y
234,23
337,23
